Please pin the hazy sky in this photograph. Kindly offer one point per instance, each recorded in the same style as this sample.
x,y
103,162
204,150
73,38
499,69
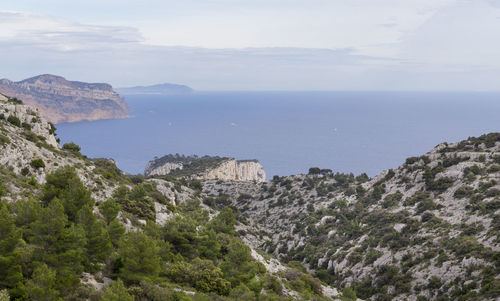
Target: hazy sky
x,y
257,44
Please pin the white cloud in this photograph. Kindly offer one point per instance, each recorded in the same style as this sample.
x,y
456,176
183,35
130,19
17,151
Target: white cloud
x,y
319,44
61,34
466,34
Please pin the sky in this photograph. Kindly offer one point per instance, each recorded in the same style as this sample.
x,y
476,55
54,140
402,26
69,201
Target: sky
x,y
257,44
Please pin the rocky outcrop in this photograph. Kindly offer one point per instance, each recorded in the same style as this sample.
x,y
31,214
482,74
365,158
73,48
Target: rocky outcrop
x,y
163,169
29,117
29,149
60,100
206,168
235,170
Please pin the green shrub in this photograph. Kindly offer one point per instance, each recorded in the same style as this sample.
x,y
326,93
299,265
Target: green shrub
x,y
411,160
72,147
463,191
314,171
27,126
392,199
37,163
434,283
25,171
52,129
14,120
4,140
372,256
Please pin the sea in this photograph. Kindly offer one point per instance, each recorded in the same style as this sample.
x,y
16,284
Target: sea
x,y
288,132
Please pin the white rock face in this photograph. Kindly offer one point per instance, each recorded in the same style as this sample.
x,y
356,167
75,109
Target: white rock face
x,y
227,170
162,170
236,171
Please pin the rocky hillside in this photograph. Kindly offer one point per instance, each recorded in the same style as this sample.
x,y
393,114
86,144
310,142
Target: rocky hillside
x,y
205,168
72,228
60,100
429,230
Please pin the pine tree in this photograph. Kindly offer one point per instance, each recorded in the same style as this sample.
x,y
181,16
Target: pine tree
x,y
58,244
115,231
26,212
98,245
10,259
65,185
42,285
140,257
116,291
110,209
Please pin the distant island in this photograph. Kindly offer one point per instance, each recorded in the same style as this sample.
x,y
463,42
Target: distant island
x,y
161,89
60,100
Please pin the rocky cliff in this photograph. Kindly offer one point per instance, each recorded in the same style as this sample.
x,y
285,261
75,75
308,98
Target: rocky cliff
x,y
60,100
206,168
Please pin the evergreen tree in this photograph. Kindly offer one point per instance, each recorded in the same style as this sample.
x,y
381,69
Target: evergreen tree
x,y
224,221
42,285
115,231
182,234
238,266
98,244
110,209
58,244
65,185
10,259
116,291
27,212
140,257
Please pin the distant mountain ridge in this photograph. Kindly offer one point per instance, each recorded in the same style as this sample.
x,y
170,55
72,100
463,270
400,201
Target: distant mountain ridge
x,y
60,100
165,88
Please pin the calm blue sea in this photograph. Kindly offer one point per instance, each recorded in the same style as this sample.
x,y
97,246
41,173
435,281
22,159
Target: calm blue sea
x,y
288,132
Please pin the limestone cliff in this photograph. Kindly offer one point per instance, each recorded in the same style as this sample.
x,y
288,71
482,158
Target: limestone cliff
x,y
60,100
205,168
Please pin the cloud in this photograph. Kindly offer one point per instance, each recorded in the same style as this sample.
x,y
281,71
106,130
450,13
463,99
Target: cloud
x,y
35,30
417,46
463,35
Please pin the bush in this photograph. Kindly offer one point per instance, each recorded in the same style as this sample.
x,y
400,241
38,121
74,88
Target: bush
x,y
52,129
314,171
116,291
372,256
411,160
434,283
349,294
37,163
27,126
14,120
463,191
4,140
201,274
392,199
72,147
